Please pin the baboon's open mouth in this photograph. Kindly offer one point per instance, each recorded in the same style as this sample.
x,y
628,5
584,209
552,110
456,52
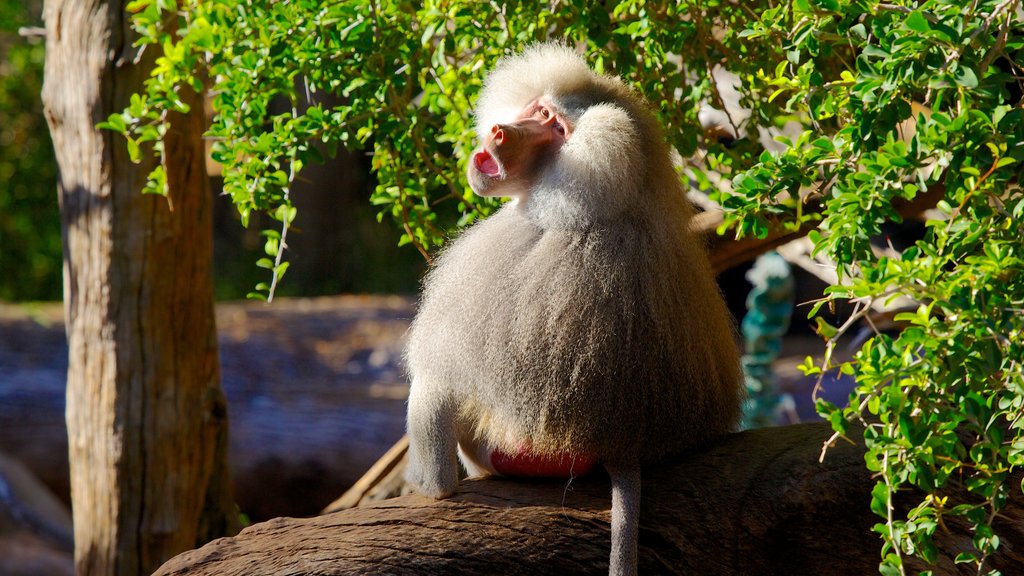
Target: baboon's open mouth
x,y
486,163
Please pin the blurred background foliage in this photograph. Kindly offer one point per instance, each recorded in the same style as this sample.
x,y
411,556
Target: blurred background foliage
x,y
339,247
30,245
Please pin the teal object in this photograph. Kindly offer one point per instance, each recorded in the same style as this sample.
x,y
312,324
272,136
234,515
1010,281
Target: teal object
x,y
769,310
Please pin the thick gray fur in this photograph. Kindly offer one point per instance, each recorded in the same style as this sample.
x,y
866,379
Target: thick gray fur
x,y
625,518
581,318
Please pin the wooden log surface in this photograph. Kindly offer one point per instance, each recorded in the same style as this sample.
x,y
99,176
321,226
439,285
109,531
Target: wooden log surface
x,y
757,503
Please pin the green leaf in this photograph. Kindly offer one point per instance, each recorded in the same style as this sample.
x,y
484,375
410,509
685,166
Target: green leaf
x,y
808,367
880,499
134,154
157,182
965,77
890,568
285,213
281,269
114,122
917,22
965,558
825,329
817,306
137,5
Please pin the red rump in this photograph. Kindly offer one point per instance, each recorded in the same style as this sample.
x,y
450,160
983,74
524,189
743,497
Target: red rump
x,y
527,464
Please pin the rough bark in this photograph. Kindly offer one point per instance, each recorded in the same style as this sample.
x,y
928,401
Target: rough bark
x,y
145,413
757,503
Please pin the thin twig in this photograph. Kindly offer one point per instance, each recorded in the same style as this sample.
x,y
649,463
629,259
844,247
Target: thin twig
x,y
285,223
32,32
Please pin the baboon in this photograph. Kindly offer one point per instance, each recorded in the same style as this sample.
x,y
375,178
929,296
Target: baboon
x,y
580,324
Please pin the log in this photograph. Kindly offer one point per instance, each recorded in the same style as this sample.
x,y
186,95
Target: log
x,y
758,502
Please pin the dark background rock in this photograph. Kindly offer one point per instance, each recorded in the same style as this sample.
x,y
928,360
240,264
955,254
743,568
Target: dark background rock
x,y
314,386
35,527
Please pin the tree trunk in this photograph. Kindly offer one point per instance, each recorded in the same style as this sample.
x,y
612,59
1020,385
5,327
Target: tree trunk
x,y
146,417
756,504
